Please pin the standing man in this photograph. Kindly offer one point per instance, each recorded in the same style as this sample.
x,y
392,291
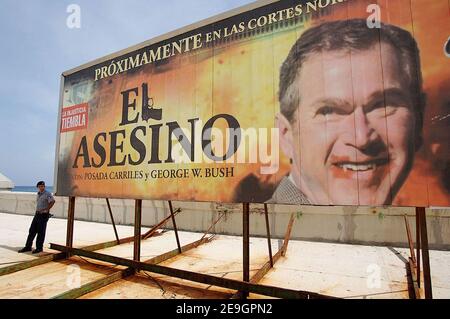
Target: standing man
x,y
45,202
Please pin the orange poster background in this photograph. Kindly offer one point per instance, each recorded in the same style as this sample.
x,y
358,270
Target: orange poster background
x,y
241,78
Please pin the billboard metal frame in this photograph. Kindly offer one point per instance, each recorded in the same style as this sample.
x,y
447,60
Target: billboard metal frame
x,y
418,263
244,287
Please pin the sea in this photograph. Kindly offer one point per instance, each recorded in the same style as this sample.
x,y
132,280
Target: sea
x,y
31,189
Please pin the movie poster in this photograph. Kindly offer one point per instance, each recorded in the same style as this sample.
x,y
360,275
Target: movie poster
x,y
325,102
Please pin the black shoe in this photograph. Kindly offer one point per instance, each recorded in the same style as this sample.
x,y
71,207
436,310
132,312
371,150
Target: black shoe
x,y
24,250
37,251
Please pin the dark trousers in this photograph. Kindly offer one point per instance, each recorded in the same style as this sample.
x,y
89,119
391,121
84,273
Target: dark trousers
x,y
38,226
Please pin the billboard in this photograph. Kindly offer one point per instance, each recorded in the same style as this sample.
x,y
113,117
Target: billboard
x,y
323,102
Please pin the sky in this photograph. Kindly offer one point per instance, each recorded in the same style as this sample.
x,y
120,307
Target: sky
x,y
37,46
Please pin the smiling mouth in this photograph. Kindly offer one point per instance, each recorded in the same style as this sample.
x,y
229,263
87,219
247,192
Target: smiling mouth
x,y
362,166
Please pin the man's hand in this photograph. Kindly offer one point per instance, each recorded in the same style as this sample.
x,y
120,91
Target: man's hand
x,y
50,205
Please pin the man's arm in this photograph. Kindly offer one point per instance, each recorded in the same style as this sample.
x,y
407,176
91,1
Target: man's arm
x,y
50,205
51,202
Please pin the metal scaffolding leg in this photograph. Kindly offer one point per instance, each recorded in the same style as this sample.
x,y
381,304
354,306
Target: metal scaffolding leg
x,y
112,221
425,252
70,222
246,243
287,236
418,248
152,231
411,271
267,266
269,243
410,241
137,230
174,226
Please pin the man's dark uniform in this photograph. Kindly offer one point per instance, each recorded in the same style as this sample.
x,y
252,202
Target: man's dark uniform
x,y
39,224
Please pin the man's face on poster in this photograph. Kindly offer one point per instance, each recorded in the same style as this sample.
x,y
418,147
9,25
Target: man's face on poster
x,y
352,137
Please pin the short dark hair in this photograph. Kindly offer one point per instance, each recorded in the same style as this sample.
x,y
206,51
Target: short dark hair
x,y
40,183
352,34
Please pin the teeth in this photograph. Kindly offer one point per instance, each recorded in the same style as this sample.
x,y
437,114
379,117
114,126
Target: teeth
x,y
358,167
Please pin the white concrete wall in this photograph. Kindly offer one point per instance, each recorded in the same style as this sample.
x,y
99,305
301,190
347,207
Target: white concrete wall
x,y
5,183
336,224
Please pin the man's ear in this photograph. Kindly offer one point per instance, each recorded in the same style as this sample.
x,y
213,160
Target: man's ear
x,y
286,136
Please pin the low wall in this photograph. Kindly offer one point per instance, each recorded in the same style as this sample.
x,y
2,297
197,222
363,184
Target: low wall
x,y
362,225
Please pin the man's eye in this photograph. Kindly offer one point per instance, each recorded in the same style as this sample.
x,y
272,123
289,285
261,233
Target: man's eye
x,y
391,109
325,110
331,110
382,109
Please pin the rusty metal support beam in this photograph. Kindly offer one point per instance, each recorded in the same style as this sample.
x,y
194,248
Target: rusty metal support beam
x,y
105,245
265,269
175,252
418,248
246,244
425,253
212,225
269,265
151,231
95,285
411,264
259,274
112,221
195,277
137,230
70,222
287,236
32,263
174,226
414,281
410,241
269,242
112,243
121,274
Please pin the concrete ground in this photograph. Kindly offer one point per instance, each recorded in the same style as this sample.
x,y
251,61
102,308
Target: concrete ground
x,y
346,271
